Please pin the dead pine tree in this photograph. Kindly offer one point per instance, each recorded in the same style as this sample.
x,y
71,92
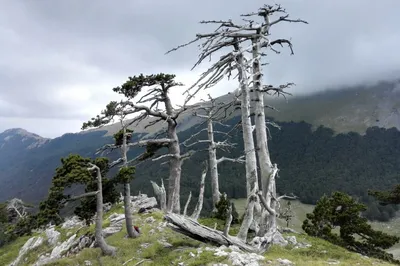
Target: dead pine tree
x,y
119,110
213,112
245,45
233,60
260,33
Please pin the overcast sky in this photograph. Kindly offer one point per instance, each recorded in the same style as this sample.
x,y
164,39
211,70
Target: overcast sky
x,y
59,60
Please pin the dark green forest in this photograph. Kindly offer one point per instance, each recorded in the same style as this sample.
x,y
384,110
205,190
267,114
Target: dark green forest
x,y
312,162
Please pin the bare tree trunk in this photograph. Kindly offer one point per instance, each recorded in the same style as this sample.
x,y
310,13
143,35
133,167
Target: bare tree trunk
x,y
199,205
267,180
203,233
248,218
127,192
228,221
105,248
250,153
161,194
212,155
175,163
187,204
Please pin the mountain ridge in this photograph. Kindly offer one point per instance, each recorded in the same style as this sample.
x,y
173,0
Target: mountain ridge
x,y
28,161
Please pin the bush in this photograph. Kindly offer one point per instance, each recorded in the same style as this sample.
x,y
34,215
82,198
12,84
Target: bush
x,y
342,211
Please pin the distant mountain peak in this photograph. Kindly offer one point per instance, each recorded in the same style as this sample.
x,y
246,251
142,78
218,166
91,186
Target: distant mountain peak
x,y
22,135
21,132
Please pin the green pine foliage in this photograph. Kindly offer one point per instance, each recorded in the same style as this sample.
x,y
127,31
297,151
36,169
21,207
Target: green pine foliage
x,y
387,197
222,207
74,171
118,137
338,220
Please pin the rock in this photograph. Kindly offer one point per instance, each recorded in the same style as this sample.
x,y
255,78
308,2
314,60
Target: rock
x,y
145,245
165,243
276,239
302,245
57,252
116,218
238,257
333,262
152,232
192,255
88,263
65,246
72,222
150,220
52,236
116,221
108,231
107,207
284,262
143,202
29,245
82,242
292,240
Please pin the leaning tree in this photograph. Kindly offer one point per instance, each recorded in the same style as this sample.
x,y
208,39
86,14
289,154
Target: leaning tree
x,y
245,44
119,110
147,97
78,170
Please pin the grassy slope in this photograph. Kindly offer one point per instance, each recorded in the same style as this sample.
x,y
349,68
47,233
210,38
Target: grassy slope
x,y
300,210
320,252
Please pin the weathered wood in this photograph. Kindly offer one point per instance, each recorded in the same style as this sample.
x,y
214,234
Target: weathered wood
x,y
199,205
187,204
193,229
161,194
228,220
100,242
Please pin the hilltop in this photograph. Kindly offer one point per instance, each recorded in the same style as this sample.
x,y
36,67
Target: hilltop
x,y
70,244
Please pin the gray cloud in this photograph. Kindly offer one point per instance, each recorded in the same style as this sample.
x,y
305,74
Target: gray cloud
x,y
60,59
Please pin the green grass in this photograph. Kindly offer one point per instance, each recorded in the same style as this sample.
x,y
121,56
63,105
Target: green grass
x,y
10,252
319,253
300,210
147,247
154,251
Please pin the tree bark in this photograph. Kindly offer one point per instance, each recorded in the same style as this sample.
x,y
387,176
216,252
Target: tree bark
x,y
100,242
228,221
161,194
187,204
203,233
266,169
199,205
175,162
212,155
250,153
127,192
248,218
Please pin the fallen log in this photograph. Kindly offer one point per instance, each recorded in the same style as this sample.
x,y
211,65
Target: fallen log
x,y
193,229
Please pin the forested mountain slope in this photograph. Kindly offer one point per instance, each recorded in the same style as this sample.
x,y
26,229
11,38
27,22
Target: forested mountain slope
x,y
313,160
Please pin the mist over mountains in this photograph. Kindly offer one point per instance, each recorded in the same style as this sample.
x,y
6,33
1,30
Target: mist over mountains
x,y
345,139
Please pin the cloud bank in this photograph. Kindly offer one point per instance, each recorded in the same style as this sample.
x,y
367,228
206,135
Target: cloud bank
x,y
61,59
